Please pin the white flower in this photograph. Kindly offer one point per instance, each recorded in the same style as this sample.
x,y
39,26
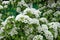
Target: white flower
x,y
34,21
10,17
57,13
32,11
1,37
30,37
1,7
30,5
54,26
13,31
39,28
53,19
44,27
5,6
5,2
1,30
42,8
18,9
22,3
44,20
58,24
4,23
7,20
26,19
48,35
38,37
53,5
28,30
22,18
48,12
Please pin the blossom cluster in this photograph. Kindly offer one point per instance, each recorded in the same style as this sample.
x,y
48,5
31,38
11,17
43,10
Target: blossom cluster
x,y
20,21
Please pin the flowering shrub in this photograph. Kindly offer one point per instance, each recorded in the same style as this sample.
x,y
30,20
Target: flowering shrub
x,y
20,21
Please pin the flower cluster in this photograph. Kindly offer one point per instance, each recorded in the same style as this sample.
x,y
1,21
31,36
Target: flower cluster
x,y
28,20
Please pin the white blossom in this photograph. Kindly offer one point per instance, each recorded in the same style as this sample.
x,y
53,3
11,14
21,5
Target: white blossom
x,y
53,19
54,26
1,37
44,20
1,7
5,2
1,30
18,9
22,3
56,13
48,12
13,31
28,30
7,20
48,35
38,37
39,28
34,21
32,11
44,27
5,6
22,18
30,37
42,8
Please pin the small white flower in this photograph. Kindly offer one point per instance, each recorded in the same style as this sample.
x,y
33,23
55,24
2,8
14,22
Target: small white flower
x,y
53,19
54,26
53,5
48,35
39,28
30,37
28,30
5,2
48,12
1,7
1,30
44,20
22,18
13,31
1,37
44,27
42,8
7,20
57,13
38,37
18,9
22,3
4,23
34,21
30,5
32,11
5,6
